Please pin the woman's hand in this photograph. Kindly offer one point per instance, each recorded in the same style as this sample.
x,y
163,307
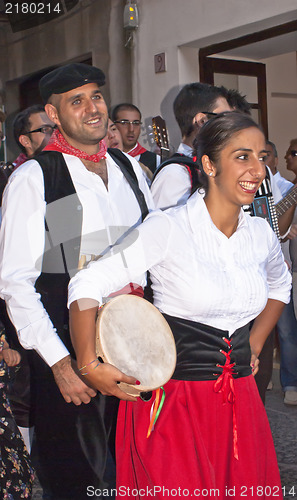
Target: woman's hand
x,y
254,364
105,378
10,356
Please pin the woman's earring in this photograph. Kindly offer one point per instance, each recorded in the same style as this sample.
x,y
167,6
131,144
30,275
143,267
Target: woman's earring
x,y
210,174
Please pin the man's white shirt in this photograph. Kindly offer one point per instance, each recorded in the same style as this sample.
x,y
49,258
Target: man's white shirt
x,y
107,214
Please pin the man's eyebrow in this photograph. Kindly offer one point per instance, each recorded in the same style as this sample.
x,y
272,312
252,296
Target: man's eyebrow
x,y
80,94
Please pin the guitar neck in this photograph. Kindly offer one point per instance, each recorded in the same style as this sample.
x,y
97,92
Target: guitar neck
x,y
165,153
287,202
161,136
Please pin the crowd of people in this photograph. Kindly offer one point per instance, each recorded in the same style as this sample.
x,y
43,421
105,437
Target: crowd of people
x,y
93,212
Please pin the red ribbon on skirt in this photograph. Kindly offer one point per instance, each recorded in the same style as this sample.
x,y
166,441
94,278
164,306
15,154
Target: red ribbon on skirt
x,y
225,385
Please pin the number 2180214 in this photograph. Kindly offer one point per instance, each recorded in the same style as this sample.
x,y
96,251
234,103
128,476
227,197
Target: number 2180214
x,y
32,8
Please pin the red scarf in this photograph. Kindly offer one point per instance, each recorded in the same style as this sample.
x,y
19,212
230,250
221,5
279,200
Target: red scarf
x,y
137,150
58,143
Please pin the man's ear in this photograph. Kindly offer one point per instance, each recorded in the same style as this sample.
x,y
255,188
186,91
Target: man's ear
x,y
199,119
25,141
208,166
52,113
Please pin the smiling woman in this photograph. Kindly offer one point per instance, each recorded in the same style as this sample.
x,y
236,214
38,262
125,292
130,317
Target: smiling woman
x,y
233,167
213,269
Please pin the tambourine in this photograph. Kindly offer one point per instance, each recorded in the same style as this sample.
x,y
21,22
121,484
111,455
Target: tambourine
x,y
132,335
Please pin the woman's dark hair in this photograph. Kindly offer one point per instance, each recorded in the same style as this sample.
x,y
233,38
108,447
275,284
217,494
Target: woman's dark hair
x,y
215,135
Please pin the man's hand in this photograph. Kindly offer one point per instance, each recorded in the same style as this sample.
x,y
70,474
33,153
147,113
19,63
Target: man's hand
x,y
293,232
72,388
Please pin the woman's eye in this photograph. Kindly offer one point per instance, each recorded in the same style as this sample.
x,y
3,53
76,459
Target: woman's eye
x,y
242,157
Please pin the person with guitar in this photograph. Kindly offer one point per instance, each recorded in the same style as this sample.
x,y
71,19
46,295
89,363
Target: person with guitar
x,y
127,118
287,324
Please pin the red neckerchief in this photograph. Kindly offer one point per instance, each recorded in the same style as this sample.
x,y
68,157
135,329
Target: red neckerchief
x,y
20,160
137,150
58,143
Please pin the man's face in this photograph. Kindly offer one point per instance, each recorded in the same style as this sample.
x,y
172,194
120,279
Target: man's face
x,y
82,117
271,160
130,130
35,142
291,157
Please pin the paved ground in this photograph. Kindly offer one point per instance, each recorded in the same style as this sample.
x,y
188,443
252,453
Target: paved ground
x,y
283,422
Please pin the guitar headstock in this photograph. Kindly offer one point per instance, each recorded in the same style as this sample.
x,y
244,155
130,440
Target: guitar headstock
x,y
161,136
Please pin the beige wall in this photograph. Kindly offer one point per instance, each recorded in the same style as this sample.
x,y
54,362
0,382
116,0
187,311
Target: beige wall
x,y
180,28
281,75
94,29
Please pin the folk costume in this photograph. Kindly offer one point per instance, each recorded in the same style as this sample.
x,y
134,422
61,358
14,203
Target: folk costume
x,y
209,287
67,216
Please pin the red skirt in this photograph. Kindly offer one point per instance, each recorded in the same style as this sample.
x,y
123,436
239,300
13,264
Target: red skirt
x,y
191,449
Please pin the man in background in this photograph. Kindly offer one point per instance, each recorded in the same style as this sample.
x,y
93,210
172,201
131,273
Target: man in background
x,y
127,118
194,105
32,130
272,162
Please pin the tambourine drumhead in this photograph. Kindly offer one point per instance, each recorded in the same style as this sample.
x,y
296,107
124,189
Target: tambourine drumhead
x,y
132,335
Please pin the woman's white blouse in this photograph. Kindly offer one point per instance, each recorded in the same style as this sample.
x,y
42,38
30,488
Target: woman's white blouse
x,y
197,272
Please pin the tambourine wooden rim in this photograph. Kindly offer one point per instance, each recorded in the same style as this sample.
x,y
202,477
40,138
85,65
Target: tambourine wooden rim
x,y
133,335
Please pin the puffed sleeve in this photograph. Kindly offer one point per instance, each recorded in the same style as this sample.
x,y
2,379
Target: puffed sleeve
x,y
278,276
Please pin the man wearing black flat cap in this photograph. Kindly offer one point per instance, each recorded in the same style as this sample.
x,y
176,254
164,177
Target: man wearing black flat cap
x,y
76,200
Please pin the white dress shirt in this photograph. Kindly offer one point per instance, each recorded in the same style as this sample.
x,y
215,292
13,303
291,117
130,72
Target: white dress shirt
x,y
172,186
107,214
197,272
283,184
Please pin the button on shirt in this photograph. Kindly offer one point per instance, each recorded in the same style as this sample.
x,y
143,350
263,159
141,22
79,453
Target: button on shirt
x,y
197,272
107,214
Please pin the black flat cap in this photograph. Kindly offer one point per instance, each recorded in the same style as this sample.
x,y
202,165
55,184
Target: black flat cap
x,y
69,77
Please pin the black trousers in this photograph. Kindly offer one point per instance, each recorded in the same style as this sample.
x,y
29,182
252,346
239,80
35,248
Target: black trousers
x,y
70,441
264,374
